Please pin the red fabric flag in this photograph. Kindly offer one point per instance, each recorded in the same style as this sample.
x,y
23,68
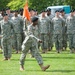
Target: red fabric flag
x,y
26,12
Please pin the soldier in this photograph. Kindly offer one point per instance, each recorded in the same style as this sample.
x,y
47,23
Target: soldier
x,y
6,26
57,31
30,42
18,22
50,41
44,31
70,22
1,18
64,31
10,15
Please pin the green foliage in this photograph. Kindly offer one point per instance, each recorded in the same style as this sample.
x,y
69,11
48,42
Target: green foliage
x,y
35,4
16,4
3,3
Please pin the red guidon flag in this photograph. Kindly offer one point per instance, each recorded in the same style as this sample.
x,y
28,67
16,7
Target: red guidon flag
x,y
26,12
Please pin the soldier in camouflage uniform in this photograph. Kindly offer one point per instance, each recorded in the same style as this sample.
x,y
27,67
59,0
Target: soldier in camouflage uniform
x,y
44,31
1,18
57,30
50,41
6,26
18,22
70,22
10,15
64,31
31,42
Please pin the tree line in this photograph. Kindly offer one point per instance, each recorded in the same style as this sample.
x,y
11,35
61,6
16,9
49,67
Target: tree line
x,y
35,4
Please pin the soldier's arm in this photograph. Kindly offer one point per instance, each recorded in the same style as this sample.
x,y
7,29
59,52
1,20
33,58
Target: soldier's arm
x,y
0,31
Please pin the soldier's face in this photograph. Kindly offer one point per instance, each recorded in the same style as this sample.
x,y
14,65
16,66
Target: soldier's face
x,y
43,13
57,13
8,11
5,17
72,14
15,13
35,23
62,13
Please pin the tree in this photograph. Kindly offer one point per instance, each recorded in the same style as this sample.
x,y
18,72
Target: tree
x,y
3,3
35,4
16,4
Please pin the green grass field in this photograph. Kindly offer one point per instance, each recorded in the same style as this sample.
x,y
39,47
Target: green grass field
x,y
61,64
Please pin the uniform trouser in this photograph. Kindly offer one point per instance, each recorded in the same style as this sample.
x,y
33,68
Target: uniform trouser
x,y
50,40
44,44
71,40
18,41
6,46
58,41
0,42
64,41
25,49
31,49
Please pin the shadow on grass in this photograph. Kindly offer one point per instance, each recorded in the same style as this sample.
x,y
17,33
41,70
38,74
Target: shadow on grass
x,y
64,71
59,57
25,60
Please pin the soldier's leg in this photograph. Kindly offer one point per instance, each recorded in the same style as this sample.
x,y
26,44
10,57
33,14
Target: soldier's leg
x,y
4,47
50,41
74,43
19,42
64,42
14,39
42,44
56,42
45,42
70,38
39,59
60,42
25,49
9,48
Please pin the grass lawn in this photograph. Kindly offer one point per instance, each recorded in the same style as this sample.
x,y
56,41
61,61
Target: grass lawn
x,y
61,64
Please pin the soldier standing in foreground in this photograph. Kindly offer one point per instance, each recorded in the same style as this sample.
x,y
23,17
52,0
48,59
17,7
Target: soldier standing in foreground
x,y
64,31
57,31
18,22
6,26
70,22
30,42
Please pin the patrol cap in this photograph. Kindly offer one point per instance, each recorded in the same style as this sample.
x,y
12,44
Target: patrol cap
x,y
34,19
5,14
7,8
35,10
48,9
21,9
15,10
57,11
3,9
71,11
61,10
43,11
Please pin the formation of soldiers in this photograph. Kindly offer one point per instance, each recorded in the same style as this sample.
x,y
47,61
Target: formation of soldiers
x,y
57,28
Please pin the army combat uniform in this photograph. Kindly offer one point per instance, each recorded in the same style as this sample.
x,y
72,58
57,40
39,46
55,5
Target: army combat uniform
x,y
44,31
6,27
30,43
18,22
71,31
57,32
